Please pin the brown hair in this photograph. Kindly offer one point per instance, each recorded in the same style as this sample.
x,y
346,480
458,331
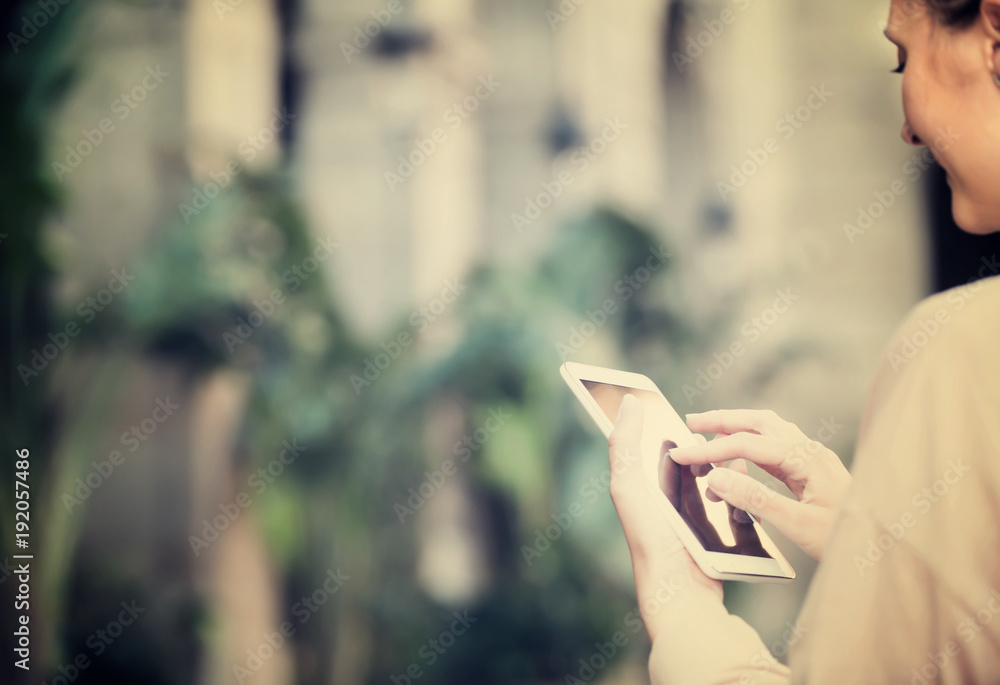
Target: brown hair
x,y
955,13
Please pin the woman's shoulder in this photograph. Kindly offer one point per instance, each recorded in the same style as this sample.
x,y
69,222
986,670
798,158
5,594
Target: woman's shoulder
x,y
962,320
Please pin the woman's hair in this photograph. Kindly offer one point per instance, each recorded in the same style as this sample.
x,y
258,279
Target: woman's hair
x,y
954,13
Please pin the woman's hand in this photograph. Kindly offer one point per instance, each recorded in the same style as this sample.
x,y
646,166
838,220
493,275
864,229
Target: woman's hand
x,y
811,471
660,563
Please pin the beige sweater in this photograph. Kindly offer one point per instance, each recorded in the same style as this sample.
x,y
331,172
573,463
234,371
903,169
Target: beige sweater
x,y
908,590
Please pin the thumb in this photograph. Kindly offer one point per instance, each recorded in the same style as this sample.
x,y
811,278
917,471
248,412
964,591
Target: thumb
x,y
626,438
628,424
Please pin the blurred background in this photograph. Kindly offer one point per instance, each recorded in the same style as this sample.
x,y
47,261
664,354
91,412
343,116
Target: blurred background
x,y
287,283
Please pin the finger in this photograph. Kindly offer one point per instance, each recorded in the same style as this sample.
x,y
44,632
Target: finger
x,y
700,470
743,492
738,515
740,466
627,433
704,469
711,496
625,441
762,421
760,449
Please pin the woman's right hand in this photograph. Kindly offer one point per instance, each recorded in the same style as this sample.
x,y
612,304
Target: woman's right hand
x,y
811,471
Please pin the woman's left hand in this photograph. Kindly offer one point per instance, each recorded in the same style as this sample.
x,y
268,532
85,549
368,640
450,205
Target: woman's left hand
x,y
660,563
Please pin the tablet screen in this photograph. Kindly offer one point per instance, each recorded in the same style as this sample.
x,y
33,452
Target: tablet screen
x,y
717,525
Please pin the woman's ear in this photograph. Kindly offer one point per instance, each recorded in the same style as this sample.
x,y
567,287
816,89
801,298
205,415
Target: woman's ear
x,y
989,13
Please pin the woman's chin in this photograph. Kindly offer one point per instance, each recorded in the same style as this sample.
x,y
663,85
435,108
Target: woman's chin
x,y
973,217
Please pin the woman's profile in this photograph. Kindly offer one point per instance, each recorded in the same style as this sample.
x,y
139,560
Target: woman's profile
x,y
908,586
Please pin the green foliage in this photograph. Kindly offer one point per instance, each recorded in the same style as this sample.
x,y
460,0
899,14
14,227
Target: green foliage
x,y
205,282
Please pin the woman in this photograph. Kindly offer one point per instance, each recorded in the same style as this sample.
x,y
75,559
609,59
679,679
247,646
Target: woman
x,y
908,588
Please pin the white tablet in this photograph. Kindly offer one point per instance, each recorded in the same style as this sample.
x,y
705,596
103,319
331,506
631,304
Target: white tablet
x,y
726,544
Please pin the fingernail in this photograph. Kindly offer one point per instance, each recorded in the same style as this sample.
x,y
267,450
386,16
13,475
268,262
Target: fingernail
x,y
720,480
668,446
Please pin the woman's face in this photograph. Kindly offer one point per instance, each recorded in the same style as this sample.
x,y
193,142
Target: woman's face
x,y
952,105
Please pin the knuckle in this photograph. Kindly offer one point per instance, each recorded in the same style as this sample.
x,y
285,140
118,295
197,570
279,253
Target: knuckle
x,y
617,442
739,443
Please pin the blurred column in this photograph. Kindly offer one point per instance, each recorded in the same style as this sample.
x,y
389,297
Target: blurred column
x,y
447,190
391,149
232,52
608,63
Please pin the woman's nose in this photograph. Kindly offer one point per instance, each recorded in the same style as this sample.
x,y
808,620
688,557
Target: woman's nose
x,y
909,136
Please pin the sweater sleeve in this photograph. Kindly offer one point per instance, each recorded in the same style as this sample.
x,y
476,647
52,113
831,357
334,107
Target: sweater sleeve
x,y
710,646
